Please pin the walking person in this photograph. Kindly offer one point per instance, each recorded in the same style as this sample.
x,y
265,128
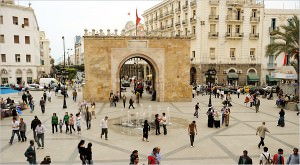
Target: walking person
x,y
265,157
223,114
40,132
88,118
15,130
192,130
133,156
245,159
257,104
124,100
31,104
217,119
146,130
157,126
34,123
164,123
238,92
93,105
261,130
42,104
131,103
66,121
196,110
281,118
71,123
227,116
88,152
23,128
152,157
49,94
78,123
278,158
74,95
82,151
104,127
293,158
54,122
30,153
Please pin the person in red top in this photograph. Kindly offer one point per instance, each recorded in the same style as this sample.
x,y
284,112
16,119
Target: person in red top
x,y
278,158
152,157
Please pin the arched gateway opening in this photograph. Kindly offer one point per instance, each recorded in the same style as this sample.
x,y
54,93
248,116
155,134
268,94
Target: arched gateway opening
x,y
137,73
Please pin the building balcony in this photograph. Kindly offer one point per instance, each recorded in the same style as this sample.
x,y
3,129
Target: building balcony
x,y
214,2
193,20
253,36
161,16
213,17
177,10
166,14
271,66
184,7
184,22
231,18
235,2
273,29
254,19
171,13
177,24
232,58
234,35
193,4
213,35
256,4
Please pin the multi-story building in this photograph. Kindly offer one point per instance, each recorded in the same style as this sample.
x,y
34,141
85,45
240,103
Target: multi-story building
x,y
45,56
131,29
225,36
274,71
79,50
19,44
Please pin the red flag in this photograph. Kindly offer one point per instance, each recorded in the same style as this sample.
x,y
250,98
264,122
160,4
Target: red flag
x,y
129,13
138,19
285,59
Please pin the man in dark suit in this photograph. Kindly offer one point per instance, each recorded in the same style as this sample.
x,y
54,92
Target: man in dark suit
x,y
30,153
245,159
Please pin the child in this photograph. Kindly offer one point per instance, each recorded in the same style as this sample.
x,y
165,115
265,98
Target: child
x,y
61,123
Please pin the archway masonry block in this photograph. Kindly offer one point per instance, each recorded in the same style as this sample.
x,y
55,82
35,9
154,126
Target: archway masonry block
x,y
104,57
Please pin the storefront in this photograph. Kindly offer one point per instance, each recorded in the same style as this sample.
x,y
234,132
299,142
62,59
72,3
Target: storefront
x,y
272,81
232,79
288,77
252,79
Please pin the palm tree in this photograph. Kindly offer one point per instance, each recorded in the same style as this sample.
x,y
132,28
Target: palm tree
x,y
286,40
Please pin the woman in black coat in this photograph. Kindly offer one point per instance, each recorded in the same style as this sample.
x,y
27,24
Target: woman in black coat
x,y
146,129
88,153
82,151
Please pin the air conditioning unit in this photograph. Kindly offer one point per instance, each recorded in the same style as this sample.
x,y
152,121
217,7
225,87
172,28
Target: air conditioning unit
x,y
224,71
240,71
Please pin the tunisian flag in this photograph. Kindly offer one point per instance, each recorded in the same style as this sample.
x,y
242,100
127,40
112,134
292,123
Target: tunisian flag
x,y
138,19
285,59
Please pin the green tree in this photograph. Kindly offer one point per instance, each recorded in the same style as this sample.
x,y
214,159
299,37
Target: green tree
x,y
286,40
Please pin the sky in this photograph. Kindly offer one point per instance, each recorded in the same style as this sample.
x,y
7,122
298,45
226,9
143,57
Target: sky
x,y
70,18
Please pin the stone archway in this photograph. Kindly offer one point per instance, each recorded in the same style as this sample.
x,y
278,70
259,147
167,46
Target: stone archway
x,y
104,56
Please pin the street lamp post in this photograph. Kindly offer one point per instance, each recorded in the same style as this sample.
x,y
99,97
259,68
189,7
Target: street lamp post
x,y
210,76
63,74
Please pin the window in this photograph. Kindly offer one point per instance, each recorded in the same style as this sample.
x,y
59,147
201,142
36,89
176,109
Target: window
x,y
193,54
273,23
252,53
228,28
194,29
42,62
237,29
186,31
232,52
28,58
253,29
18,57
1,38
26,22
29,80
212,53
212,28
27,40
3,57
194,14
1,19
15,20
185,16
16,39
254,11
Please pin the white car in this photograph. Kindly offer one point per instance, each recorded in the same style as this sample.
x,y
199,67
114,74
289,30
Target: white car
x,y
269,88
34,87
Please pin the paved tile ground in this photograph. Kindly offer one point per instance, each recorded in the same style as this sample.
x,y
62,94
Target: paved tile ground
x,y
212,146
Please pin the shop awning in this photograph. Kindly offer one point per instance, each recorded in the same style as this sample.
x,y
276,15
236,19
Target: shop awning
x,y
232,76
270,78
252,77
285,72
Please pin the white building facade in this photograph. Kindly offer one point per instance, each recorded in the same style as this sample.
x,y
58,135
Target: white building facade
x,y
45,56
79,50
225,36
19,44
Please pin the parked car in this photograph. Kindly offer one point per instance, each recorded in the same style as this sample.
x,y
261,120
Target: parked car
x,y
269,88
126,84
35,87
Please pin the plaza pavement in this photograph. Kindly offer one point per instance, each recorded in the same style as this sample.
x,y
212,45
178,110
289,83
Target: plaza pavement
x,y
212,146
